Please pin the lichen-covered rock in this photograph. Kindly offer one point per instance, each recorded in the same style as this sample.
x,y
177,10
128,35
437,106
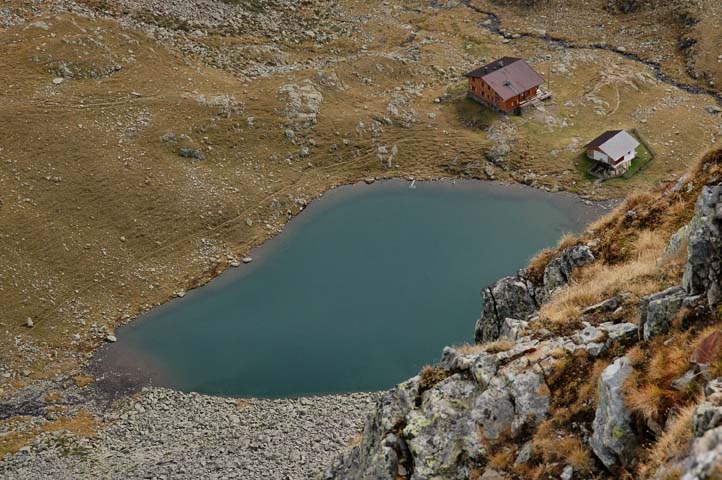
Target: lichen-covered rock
x,y
494,410
676,242
530,395
442,435
656,311
705,457
559,270
620,331
607,305
444,430
706,417
614,440
381,452
302,104
708,414
482,367
704,250
513,329
510,297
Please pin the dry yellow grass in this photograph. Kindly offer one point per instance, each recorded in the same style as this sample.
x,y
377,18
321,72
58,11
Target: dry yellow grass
x,y
496,346
674,443
648,391
12,441
647,400
599,281
430,376
503,459
53,396
553,446
82,424
83,380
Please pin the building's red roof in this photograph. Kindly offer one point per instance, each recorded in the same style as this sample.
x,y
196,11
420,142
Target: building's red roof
x,y
508,76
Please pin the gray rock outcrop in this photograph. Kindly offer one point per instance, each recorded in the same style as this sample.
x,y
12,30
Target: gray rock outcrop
x,y
517,298
676,242
708,414
193,153
614,440
382,453
657,311
302,104
559,270
510,297
444,431
704,250
704,458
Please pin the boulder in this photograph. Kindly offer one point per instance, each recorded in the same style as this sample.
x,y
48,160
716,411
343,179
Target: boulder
x,y
704,250
303,104
613,439
193,153
494,411
705,457
676,242
620,331
706,417
510,297
656,311
559,270
531,397
441,435
515,398
608,305
708,414
381,452
589,334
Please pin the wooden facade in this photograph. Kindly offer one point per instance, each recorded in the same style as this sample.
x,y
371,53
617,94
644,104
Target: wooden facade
x,y
483,91
507,84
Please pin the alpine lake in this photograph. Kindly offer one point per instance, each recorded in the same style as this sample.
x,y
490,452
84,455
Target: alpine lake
x,y
358,292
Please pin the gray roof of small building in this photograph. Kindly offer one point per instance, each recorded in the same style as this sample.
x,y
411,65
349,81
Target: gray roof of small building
x,y
614,143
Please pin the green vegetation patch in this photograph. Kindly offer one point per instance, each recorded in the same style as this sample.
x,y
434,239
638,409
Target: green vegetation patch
x,y
473,114
643,157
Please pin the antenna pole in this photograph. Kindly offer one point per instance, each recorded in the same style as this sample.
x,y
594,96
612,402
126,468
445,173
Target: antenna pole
x,y
549,77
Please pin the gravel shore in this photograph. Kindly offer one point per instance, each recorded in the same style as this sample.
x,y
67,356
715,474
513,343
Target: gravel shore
x,y
162,433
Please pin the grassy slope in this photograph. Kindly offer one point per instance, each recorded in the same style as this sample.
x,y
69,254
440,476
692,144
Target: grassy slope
x,y
629,249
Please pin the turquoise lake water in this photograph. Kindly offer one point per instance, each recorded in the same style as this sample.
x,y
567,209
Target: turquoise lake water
x,y
361,290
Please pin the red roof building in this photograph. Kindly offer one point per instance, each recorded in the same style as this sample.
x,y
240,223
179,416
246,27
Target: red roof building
x,y
507,84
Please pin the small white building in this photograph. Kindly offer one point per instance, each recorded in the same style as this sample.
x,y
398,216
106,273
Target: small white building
x,y
613,151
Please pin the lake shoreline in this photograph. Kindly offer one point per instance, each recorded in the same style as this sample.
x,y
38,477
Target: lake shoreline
x,y
124,382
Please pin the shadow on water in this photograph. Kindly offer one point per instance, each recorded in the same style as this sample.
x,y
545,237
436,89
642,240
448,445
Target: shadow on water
x,y
357,293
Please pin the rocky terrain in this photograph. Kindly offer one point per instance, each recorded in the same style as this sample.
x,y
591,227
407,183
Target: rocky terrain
x,y
167,434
